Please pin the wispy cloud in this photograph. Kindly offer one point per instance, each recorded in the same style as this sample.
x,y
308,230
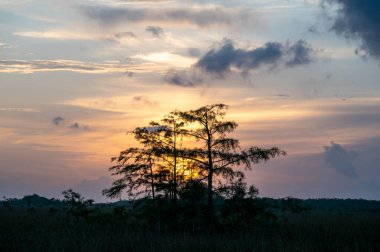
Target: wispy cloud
x,y
55,34
33,110
23,66
156,31
194,52
78,126
4,45
125,34
165,58
183,78
201,16
79,35
57,120
145,101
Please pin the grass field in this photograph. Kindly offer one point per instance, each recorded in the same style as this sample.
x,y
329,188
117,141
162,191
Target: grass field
x,y
338,227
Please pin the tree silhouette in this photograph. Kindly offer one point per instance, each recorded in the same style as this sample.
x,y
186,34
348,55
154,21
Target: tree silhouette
x,y
79,206
155,165
219,155
135,165
213,160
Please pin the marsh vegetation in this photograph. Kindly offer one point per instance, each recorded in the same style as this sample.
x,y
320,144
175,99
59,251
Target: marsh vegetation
x,y
38,224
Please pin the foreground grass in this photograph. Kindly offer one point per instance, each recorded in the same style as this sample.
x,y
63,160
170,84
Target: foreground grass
x,y
36,230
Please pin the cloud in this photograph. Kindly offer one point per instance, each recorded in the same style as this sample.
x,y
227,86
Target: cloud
x,y
222,60
282,95
74,126
300,54
359,19
32,66
57,35
140,100
341,159
183,78
4,45
20,109
125,34
195,15
121,37
227,58
194,52
155,30
78,35
77,126
57,120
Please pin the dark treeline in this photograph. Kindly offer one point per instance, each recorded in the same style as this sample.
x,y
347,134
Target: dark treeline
x,y
35,223
306,205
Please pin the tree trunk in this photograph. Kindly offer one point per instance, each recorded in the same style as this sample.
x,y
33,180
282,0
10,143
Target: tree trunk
x,y
175,168
210,200
152,182
175,181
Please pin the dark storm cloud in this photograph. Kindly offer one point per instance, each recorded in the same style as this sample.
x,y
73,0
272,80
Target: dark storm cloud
x,y
300,54
359,19
183,78
202,17
341,159
221,60
155,30
57,120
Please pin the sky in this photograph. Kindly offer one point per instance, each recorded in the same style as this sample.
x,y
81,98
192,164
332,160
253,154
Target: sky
x,y
302,75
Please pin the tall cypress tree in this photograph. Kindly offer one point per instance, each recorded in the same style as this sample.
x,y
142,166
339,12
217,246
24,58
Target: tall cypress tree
x,y
218,155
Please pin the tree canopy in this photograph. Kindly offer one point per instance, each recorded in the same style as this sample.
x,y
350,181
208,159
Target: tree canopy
x,y
184,151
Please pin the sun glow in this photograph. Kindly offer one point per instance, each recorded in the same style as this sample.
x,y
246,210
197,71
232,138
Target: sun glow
x,y
167,58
